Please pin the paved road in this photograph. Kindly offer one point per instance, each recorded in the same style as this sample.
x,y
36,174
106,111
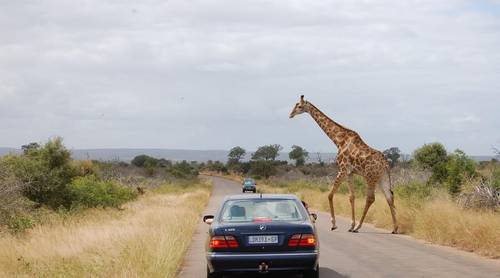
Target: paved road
x,y
370,253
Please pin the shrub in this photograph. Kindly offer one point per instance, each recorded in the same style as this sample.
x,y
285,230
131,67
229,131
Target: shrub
x,y
12,203
459,167
413,192
89,192
85,167
216,166
47,171
20,223
150,167
262,168
144,160
495,178
182,170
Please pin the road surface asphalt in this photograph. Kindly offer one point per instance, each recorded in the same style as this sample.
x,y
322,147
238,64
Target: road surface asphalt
x,y
370,253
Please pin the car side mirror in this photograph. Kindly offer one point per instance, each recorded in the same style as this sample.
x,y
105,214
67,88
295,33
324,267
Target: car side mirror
x,y
314,216
209,219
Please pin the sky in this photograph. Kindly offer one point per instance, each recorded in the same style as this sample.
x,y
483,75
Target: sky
x,y
199,74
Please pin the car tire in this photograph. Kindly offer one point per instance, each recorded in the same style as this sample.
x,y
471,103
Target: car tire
x,y
213,274
255,191
313,273
243,191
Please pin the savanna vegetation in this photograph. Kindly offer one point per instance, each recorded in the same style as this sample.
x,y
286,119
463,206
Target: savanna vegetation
x,y
442,197
60,217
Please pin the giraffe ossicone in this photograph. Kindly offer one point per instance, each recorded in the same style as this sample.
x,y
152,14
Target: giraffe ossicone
x,y
354,156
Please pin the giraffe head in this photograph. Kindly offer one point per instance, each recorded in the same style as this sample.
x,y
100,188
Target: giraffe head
x,y
299,108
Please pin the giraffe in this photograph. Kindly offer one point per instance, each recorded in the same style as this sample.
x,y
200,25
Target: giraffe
x,y
354,157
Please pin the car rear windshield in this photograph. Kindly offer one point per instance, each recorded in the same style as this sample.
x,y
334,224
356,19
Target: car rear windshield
x,y
261,210
248,183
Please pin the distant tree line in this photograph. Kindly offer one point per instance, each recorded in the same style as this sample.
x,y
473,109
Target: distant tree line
x,y
448,169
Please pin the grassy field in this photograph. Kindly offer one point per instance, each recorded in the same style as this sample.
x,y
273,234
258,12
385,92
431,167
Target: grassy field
x,y
146,238
436,219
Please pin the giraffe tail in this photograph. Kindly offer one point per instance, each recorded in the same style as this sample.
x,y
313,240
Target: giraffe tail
x,y
387,187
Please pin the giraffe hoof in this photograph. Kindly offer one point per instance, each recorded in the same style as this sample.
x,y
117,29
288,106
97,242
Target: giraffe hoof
x,y
355,231
394,232
350,230
334,228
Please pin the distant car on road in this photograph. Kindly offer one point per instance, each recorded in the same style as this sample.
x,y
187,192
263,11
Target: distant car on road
x,y
262,233
249,185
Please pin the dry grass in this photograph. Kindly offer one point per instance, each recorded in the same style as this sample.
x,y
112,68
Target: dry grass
x,y
146,239
438,220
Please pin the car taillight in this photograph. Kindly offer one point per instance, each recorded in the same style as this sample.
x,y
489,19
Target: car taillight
x,y
223,242
303,240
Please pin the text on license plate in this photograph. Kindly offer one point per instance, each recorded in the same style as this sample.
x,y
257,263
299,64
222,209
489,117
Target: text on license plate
x,y
263,239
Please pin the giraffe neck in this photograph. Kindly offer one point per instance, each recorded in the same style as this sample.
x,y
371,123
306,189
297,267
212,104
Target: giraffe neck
x,y
333,130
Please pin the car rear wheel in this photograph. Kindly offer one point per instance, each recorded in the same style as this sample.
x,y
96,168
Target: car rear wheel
x,y
213,274
243,191
313,273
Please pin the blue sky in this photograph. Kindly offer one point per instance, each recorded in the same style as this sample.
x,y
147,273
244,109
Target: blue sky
x,y
214,74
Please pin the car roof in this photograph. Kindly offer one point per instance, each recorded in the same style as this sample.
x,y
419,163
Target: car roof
x,y
261,196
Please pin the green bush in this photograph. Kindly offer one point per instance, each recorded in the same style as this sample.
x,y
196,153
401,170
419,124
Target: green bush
x,y
89,192
263,168
20,223
495,178
413,191
432,157
458,167
182,170
47,170
144,160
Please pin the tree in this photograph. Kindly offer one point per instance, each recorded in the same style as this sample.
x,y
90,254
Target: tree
x,y
144,160
433,157
236,154
392,154
267,152
497,152
430,155
298,154
30,147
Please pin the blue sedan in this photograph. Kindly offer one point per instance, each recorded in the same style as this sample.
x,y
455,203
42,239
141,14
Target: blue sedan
x,y
260,234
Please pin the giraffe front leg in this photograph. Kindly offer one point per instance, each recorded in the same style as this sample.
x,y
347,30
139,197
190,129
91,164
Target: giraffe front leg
x,y
336,184
332,211
370,198
352,197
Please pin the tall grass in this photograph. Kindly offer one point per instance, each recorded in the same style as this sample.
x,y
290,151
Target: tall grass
x,y
148,238
429,215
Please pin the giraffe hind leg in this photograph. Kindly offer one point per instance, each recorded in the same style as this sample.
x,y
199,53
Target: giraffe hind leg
x,y
389,196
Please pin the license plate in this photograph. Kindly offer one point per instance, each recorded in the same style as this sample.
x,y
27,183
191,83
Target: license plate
x,y
267,239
